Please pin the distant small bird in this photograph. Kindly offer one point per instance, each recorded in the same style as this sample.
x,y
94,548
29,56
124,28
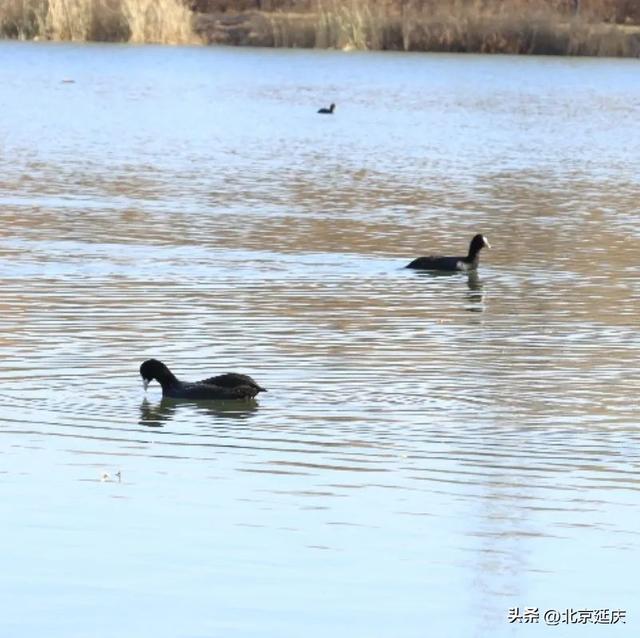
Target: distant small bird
x,y
220,388
470,262
106,477
328,111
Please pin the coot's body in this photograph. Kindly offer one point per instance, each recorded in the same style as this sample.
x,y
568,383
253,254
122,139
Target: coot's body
x,y
328,111
452,264
219,388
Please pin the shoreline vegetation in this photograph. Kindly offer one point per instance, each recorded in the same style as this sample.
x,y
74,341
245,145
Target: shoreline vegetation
x,y
552,27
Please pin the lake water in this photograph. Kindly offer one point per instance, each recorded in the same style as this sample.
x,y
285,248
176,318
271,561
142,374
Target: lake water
x,y
432,451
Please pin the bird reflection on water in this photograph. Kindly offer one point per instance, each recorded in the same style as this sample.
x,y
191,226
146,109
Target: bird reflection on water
x,y
156,415
475,294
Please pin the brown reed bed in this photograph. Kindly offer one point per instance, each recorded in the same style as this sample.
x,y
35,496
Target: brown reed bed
x,y
557,27
162,21
565,27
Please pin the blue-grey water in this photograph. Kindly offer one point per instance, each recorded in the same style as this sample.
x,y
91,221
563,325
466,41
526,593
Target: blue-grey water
x,y
433,450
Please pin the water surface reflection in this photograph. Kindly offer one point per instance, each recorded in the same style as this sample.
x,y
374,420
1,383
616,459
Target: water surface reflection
x,y
162,412
432,450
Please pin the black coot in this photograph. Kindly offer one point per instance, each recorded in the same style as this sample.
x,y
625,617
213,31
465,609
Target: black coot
x,y
223,387
470,262
328,111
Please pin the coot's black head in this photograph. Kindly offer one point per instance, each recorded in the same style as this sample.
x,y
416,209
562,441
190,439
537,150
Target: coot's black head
x,y
153,369
332,106
477,244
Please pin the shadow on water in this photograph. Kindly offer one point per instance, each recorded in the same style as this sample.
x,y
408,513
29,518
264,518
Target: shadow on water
x,y
159,414
474,282
473,279
475,294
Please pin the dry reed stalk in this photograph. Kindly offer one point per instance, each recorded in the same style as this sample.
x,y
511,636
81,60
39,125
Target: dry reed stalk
x,y
350,24
69,19
163,21
287,30
22,19
159,21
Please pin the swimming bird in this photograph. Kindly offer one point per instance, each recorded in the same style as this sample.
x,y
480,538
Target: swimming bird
x,y
328,111
470,262
222,387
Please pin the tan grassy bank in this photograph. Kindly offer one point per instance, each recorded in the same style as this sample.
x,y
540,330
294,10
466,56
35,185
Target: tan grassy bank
x,y
557,27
